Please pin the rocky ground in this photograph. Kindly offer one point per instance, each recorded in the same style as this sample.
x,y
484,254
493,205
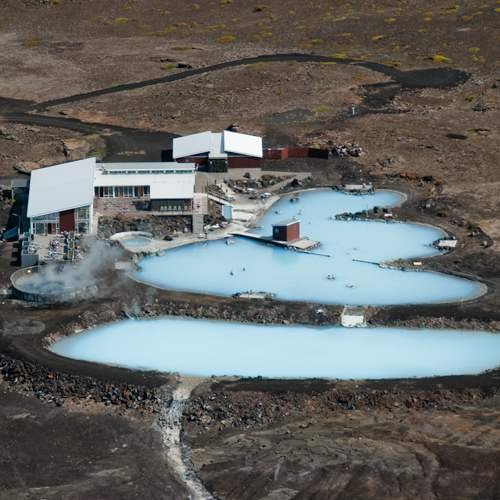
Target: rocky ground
x,y
435,438
341,442
80,451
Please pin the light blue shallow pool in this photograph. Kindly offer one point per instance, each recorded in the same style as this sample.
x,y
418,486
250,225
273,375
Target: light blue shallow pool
x,y
221,269
135,242
204,348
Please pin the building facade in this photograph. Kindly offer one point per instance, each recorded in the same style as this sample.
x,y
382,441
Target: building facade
x,y
162,186
288,230
62,197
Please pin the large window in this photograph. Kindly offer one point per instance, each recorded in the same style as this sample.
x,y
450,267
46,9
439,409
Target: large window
x,y
82,220
122,191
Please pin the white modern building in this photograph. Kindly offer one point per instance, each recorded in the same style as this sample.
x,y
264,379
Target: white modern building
x,y
219,150
169,186
62,197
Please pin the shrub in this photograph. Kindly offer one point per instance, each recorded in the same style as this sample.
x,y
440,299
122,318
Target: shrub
x,y
439,58
322,108
32,42
168,66
226,39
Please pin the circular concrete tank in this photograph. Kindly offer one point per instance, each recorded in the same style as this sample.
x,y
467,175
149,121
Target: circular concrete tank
x,y
45,284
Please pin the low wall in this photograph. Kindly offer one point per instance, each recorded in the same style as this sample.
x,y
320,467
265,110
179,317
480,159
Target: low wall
x,y
157,226
295,152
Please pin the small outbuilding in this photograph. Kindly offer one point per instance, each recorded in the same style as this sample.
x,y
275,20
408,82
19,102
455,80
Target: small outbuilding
x,y
219,151
287,230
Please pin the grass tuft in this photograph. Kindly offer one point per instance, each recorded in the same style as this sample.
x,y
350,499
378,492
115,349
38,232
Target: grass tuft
x,y
32,42
168,66
439,58
226,39
322,108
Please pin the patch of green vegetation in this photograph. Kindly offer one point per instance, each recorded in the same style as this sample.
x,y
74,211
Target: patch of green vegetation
x,y
216,27
390,20
168,30
376,38
129,5
226,39
99,19
181,48
55,2
29,43
168,66
328,63
338,55
225,2
264,34
321,109
99,153
120,20
440,58
316,41
259,65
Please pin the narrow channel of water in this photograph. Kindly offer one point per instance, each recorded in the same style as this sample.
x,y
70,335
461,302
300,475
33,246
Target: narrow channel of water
x,y
221,269
205,348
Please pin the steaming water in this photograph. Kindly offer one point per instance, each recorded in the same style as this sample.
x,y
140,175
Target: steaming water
x,y
40,284
204,348
221,269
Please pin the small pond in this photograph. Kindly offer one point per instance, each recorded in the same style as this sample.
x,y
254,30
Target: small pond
x,y
217,268
204,348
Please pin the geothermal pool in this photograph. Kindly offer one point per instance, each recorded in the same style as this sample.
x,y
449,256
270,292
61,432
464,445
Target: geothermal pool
x,y
135,242
204,348
217,268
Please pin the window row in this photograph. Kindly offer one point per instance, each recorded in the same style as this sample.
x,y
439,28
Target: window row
x,y
122,191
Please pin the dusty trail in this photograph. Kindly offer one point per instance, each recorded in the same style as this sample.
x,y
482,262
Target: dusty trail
x,y
178,454
418,78
148,145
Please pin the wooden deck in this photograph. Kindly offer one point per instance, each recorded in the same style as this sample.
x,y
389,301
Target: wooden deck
x,y
302,245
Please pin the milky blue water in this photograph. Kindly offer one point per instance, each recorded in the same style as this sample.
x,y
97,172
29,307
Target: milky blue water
x,y
221,269
134,242
204,348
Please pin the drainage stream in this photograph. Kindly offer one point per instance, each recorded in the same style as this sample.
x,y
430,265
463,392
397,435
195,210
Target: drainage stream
x,y
170,425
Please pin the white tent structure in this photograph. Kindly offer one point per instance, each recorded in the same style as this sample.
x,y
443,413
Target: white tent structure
x,y
217,145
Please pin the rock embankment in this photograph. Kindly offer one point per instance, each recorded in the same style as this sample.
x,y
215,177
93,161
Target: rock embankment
x,y
55,387
222,409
